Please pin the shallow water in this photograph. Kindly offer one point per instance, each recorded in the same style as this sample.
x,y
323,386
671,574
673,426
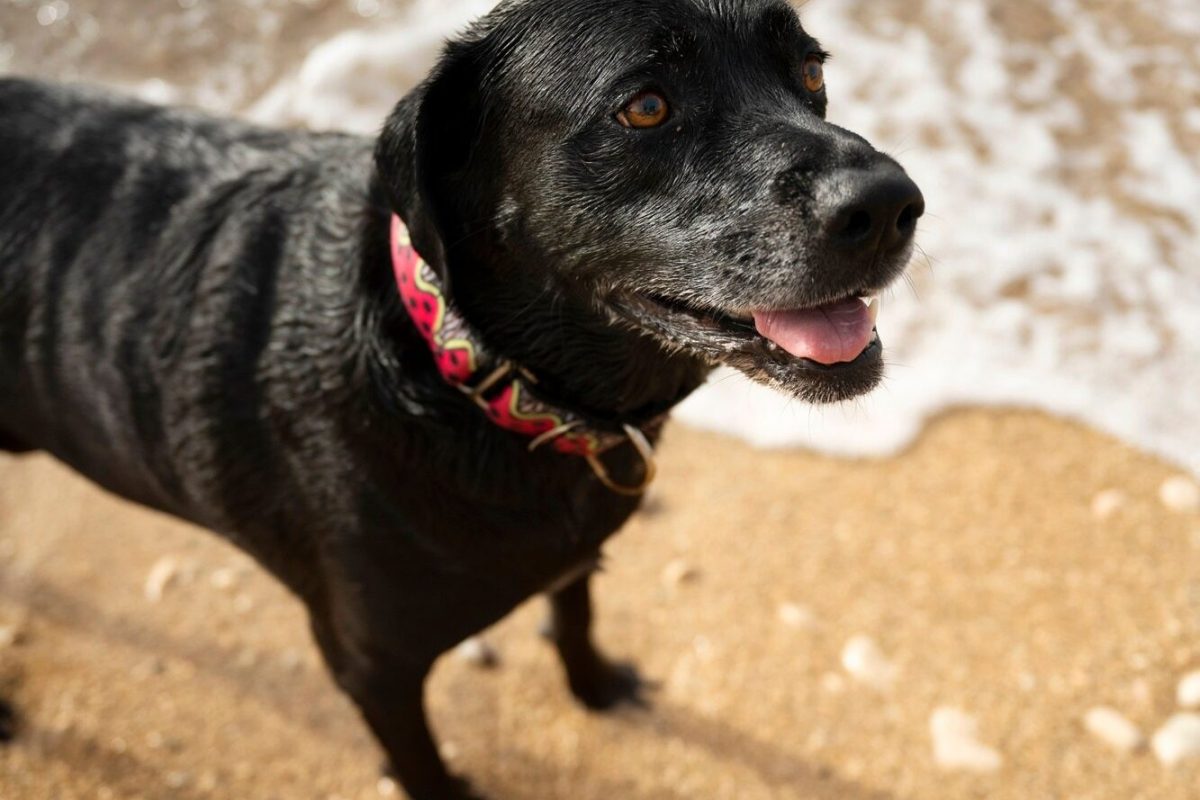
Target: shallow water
x,y
1056,143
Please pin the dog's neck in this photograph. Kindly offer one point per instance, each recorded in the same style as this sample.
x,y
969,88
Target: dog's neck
x,y
582,360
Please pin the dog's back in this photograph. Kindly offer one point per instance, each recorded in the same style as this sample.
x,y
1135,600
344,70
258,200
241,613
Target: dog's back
x,y
142,251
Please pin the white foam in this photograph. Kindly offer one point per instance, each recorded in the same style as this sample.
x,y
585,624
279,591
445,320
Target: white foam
x,y
351,81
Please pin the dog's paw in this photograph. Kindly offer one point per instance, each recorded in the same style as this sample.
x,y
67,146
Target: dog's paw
x,y
8,723
451,789
448,787
604,685
461,789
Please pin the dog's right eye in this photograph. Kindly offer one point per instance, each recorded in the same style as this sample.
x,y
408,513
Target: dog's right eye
x,y
647,110
814,74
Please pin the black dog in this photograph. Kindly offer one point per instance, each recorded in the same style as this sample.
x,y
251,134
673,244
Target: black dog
x,y
207,317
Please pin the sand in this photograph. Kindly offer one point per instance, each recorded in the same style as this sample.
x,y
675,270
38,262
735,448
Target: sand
x,y
975,564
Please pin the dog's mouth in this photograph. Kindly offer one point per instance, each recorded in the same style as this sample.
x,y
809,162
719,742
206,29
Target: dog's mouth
x,y
822,353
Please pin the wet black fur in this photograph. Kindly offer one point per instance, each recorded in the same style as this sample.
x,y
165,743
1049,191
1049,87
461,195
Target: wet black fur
x,y
200,315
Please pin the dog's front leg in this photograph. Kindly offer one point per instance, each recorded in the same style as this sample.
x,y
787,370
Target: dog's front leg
x,y
388,686
8,722
597,682
392,702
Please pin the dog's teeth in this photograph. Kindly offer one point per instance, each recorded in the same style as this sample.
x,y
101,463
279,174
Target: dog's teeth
x,y
872,304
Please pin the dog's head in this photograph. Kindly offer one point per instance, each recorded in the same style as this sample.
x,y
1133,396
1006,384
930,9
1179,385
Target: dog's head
x,y
670,160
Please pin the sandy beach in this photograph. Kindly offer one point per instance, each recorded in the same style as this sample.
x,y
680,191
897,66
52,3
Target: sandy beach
x,y
979,563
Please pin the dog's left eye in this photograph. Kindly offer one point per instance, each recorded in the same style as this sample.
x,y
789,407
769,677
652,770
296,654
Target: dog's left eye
x,y
648,110
814,74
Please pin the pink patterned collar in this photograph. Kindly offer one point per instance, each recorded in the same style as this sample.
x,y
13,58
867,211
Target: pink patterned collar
x,y
502,389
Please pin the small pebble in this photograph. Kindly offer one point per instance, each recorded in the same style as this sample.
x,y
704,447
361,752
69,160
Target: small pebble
x,y
677,572
1178,740
866,663
1107,503
243,603
478,652
795,616
162,575
956,744
1114,729
1180,493
8,636
177,780
223,578
1187,694
291,660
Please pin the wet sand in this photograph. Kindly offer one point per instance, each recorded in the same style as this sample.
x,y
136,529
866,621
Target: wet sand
x,y
975,562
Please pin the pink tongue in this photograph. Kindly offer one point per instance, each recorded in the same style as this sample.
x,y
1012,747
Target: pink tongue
x,y
832,334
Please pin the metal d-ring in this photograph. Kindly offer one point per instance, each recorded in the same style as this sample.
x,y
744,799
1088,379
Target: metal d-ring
x,y
476,393
645,450
551,435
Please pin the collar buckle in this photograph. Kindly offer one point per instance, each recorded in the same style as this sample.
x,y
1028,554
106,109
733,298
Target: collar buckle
x,y
634,435
649,465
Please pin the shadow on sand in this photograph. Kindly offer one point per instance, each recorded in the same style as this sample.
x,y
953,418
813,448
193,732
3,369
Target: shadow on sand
x,y
326,713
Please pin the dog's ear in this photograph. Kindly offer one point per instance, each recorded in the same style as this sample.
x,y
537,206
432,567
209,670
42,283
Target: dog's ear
x,y
426,150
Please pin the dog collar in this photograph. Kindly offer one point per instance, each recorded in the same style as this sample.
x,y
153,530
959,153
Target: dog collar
x,y
501,388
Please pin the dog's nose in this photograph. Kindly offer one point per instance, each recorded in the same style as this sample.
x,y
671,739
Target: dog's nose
x,y
872,210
